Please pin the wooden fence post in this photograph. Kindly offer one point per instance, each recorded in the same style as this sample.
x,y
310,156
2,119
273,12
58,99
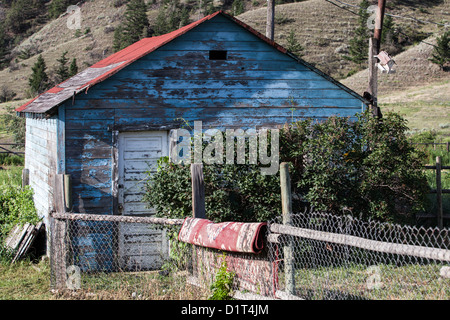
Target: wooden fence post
x,y
58,253
198,191
286,206
440,220
25,177
68,192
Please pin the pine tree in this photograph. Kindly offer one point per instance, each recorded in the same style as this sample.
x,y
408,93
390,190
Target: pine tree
x,y
441,52
293,45
359,44
238,7
73,69
117,43
3,46
56,8
135,27
171,18
63,71
39,80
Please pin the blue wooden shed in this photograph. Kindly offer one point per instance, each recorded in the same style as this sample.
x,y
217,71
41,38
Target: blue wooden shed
x,y
107,124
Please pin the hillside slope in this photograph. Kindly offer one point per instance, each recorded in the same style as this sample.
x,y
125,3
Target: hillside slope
x,y
321,28
413,69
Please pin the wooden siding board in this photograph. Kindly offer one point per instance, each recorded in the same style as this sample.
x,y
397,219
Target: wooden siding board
x,y
89,114
189,64
40,159
143,91
242,84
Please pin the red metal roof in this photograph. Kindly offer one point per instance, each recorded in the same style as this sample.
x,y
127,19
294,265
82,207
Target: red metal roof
x,y
117,61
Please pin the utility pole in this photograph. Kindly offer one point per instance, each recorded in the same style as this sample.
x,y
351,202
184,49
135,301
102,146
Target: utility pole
x,y
270,25
374,49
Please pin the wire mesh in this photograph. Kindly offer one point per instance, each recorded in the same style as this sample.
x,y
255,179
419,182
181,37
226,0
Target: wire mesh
x,y
342,257
311,256
95,259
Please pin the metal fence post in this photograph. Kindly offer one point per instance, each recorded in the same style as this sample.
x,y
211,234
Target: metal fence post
x,y
286,206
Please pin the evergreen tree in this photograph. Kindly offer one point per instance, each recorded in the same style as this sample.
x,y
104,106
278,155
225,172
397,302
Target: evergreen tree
x,y
39,80
359,44
63,71
171,17
3,46
293,45
73,69
135,27
117,44
238,7
388,35
441,52
56,8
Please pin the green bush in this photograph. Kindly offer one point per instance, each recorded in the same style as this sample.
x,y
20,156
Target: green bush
x,y
366,168
16,204
221,288
231,192
16,207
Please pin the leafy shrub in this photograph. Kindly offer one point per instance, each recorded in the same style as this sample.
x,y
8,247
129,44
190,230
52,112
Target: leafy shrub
x,y
16,207
366,167
222,286
231,192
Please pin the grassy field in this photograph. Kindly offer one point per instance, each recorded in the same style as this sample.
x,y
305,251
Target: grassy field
x,y
28,280
425,107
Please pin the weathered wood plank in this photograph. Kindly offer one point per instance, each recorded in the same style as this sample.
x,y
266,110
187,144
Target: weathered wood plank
x,y
149,62
198,191
173,107
89,114
142,90
212,74
170,84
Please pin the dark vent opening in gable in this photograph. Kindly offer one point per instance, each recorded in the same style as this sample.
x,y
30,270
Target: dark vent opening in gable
x,y
217,55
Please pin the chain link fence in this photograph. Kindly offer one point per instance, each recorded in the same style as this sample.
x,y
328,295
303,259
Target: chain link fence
x,y
310,256
119,257
323,256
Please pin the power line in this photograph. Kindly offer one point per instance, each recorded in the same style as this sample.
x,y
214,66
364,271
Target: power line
x,y
387,14
356,13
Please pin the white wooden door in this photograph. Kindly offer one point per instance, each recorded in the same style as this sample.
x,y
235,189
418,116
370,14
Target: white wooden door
x,y
140,245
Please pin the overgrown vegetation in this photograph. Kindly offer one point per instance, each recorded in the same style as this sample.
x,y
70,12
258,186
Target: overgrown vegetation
x,y
14,125
16,205
222,286
441,52
364,167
